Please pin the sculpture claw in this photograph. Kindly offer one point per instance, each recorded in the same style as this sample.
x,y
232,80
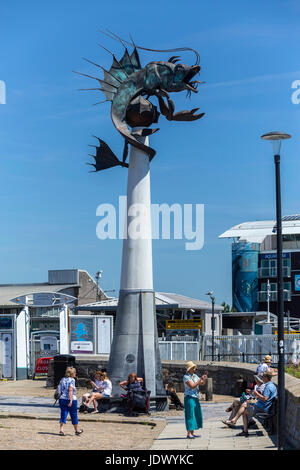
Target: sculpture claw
x,y
168,112
185,115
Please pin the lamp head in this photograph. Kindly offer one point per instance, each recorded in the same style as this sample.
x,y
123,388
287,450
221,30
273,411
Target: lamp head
x,y
276,138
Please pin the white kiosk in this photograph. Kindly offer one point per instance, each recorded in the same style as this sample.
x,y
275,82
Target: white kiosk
x,y
7,346
27,351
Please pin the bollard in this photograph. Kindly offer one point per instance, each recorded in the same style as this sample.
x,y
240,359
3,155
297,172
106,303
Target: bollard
x,y
209,389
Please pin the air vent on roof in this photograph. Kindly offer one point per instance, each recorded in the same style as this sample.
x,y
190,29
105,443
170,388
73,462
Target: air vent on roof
x,y
291,217
63,276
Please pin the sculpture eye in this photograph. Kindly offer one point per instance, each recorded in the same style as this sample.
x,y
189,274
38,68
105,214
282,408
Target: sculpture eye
x,y
179,68
179,73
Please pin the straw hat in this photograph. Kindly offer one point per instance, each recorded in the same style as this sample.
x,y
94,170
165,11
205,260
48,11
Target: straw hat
x,y
267,359
190,365
259,379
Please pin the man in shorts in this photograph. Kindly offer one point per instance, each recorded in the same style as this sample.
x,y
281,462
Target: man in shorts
x,y
264,401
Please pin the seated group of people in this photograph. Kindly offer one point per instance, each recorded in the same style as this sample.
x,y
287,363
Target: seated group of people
x,y
263,390
102,388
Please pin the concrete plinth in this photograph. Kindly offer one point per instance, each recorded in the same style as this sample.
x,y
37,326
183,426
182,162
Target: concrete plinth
x,y
135,344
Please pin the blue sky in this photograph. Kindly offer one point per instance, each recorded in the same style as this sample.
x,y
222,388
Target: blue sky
x,y
249,58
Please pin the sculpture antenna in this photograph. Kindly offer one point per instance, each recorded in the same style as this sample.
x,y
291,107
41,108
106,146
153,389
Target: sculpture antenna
x,y
114,36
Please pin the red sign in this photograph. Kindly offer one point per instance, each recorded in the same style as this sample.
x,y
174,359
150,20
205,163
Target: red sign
x,y
42,365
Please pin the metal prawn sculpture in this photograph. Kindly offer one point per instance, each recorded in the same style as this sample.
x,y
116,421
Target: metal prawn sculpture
x,y
127,82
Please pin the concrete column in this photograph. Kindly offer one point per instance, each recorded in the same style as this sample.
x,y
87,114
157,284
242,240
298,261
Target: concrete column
x,y
22,341
135,341
63,331
137,246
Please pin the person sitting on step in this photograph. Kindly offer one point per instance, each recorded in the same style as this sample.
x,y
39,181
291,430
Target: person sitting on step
x,y
171,391
103,391
132,383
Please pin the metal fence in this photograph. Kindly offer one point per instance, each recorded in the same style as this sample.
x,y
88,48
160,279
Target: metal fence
x,y
250,348
238,348
179,350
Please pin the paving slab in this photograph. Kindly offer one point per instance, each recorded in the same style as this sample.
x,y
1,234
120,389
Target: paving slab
x,y
214,435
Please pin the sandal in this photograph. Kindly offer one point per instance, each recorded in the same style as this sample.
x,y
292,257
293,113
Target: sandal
x,y
94,412
228,423
77,433
61,433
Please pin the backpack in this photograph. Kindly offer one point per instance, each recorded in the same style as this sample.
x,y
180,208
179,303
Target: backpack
x,y
58,392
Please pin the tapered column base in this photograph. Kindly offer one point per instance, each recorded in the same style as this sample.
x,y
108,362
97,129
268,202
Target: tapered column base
x,y
135,343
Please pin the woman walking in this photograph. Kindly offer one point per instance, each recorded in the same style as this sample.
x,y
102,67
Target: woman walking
x,y
68,401
192,408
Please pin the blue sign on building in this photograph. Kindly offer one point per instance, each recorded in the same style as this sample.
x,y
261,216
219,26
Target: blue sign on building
x,y
244,276
297,282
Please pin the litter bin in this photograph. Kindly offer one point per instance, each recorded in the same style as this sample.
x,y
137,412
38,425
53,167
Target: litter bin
x,y
61,362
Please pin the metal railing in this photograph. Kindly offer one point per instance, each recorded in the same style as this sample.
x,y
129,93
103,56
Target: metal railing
x,y
250,348
263,296
179,350
272,272
237,348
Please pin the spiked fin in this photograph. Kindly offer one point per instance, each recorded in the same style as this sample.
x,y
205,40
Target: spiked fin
x,y
108,90
118,73
135,60
128,65
105,158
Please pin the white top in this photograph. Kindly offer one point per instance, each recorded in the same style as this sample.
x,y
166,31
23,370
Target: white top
x,y
65,384
261,368
106,387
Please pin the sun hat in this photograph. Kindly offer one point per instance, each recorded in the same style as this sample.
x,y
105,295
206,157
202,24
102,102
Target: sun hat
x,y
267,358
257,377
190,365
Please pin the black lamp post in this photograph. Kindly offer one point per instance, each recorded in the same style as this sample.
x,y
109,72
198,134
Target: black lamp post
x,y
213,324
275,138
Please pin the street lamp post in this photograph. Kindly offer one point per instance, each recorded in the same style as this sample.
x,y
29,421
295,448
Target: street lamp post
x,y
276,138
213,324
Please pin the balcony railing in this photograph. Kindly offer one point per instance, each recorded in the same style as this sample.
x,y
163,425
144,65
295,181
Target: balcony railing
x,y
263,296
272,272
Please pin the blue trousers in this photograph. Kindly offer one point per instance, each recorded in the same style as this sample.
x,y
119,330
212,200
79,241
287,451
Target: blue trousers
x,y
65,409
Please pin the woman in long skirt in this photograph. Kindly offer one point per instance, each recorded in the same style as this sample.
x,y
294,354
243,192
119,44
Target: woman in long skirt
x,y
192,408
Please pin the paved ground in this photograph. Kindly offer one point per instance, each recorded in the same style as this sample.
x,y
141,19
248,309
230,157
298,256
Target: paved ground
x,y
214,436
28,420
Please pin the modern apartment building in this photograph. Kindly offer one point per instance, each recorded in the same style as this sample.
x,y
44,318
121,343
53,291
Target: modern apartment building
x,y
254,265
